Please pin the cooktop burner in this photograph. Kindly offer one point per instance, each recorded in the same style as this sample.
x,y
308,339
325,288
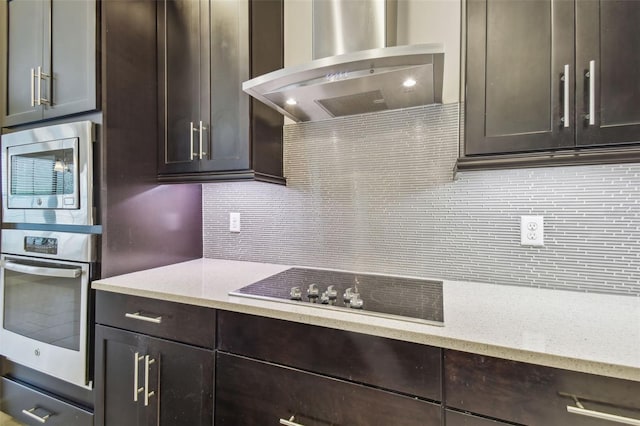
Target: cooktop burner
x,y
387,296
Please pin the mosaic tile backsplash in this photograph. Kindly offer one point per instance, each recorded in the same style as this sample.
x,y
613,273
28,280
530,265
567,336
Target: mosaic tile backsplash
x,y
377,193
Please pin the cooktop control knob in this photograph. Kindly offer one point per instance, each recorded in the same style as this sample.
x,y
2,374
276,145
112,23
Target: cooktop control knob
x,y
295,293
348,293
331,293
324,298
313,293
356,301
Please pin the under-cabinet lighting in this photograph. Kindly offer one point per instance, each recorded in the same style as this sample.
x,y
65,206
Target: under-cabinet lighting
x,y
410,82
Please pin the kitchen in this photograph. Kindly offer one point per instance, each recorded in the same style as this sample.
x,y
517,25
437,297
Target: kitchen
x,y
359,198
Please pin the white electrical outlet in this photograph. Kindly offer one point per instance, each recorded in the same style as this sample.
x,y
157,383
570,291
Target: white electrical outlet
x,y
234,222
532,230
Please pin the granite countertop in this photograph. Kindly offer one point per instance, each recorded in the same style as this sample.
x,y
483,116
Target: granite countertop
x,y
586,332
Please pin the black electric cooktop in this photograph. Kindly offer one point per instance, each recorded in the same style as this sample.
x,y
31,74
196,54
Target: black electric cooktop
x,y
381,295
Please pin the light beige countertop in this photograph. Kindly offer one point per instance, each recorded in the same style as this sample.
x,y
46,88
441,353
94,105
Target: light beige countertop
x,y
586,332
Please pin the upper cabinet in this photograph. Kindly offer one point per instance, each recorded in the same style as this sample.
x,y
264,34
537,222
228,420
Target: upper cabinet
x,y
210,129
551,74
51,59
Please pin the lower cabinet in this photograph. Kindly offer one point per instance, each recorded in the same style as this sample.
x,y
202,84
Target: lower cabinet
x,y
150,381
154,362
271,372
252,392
531,394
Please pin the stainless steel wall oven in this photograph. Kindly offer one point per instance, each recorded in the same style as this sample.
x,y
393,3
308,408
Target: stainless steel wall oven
x,y
44,294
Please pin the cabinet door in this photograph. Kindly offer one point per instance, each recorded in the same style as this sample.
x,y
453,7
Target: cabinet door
x,y
25,40
177,379
228,133
115,370
71,60
257,393
607,68
183,27
517,54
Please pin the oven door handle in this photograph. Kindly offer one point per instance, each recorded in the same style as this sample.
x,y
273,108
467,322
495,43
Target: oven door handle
x,y
41,270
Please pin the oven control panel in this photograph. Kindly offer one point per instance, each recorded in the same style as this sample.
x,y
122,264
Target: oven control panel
x,y
40,245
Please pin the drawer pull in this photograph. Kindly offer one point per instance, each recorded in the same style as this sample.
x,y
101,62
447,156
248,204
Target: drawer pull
x,y
41,419
139,316
580,410
290,422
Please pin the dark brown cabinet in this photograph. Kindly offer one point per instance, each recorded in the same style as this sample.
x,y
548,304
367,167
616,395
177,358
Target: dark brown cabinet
x,y
269,369
534,395
51,59
551,74
145,380
210,129
251,392
394,365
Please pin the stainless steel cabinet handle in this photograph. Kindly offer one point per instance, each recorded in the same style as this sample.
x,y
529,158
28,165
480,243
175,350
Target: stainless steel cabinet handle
x,y
591,75
30,413
201,130
33,88
565,111
41,270
40,100
290,422
603,416
147,366
191,130
139,316
136,372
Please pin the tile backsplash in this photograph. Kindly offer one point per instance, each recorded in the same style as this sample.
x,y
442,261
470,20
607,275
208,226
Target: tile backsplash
x,y
377,193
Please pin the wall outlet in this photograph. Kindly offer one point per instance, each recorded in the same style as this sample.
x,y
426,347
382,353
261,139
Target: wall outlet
x,y
234,222
531,230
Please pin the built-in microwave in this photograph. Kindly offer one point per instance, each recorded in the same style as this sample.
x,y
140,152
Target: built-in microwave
x,y
48,175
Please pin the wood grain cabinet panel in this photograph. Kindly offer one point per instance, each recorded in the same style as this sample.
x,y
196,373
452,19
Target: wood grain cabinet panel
x,y
532,394
210,129
195,325
389,364
174,381
142,377
51,59
250,392
551,74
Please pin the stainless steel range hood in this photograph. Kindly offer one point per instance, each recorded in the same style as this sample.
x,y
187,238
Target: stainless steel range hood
x,y
363,75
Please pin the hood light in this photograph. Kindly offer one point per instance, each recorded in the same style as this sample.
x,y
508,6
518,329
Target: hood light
x,y
409,82
291,101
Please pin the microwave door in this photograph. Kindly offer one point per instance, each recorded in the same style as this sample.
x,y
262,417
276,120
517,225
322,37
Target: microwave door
x,y
43,175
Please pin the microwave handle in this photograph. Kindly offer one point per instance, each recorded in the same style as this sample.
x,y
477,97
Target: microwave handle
x,y
41,270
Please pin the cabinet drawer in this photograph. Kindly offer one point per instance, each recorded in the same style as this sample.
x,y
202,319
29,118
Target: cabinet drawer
x,y
250,392
17,398
177,321
390,364
532,394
